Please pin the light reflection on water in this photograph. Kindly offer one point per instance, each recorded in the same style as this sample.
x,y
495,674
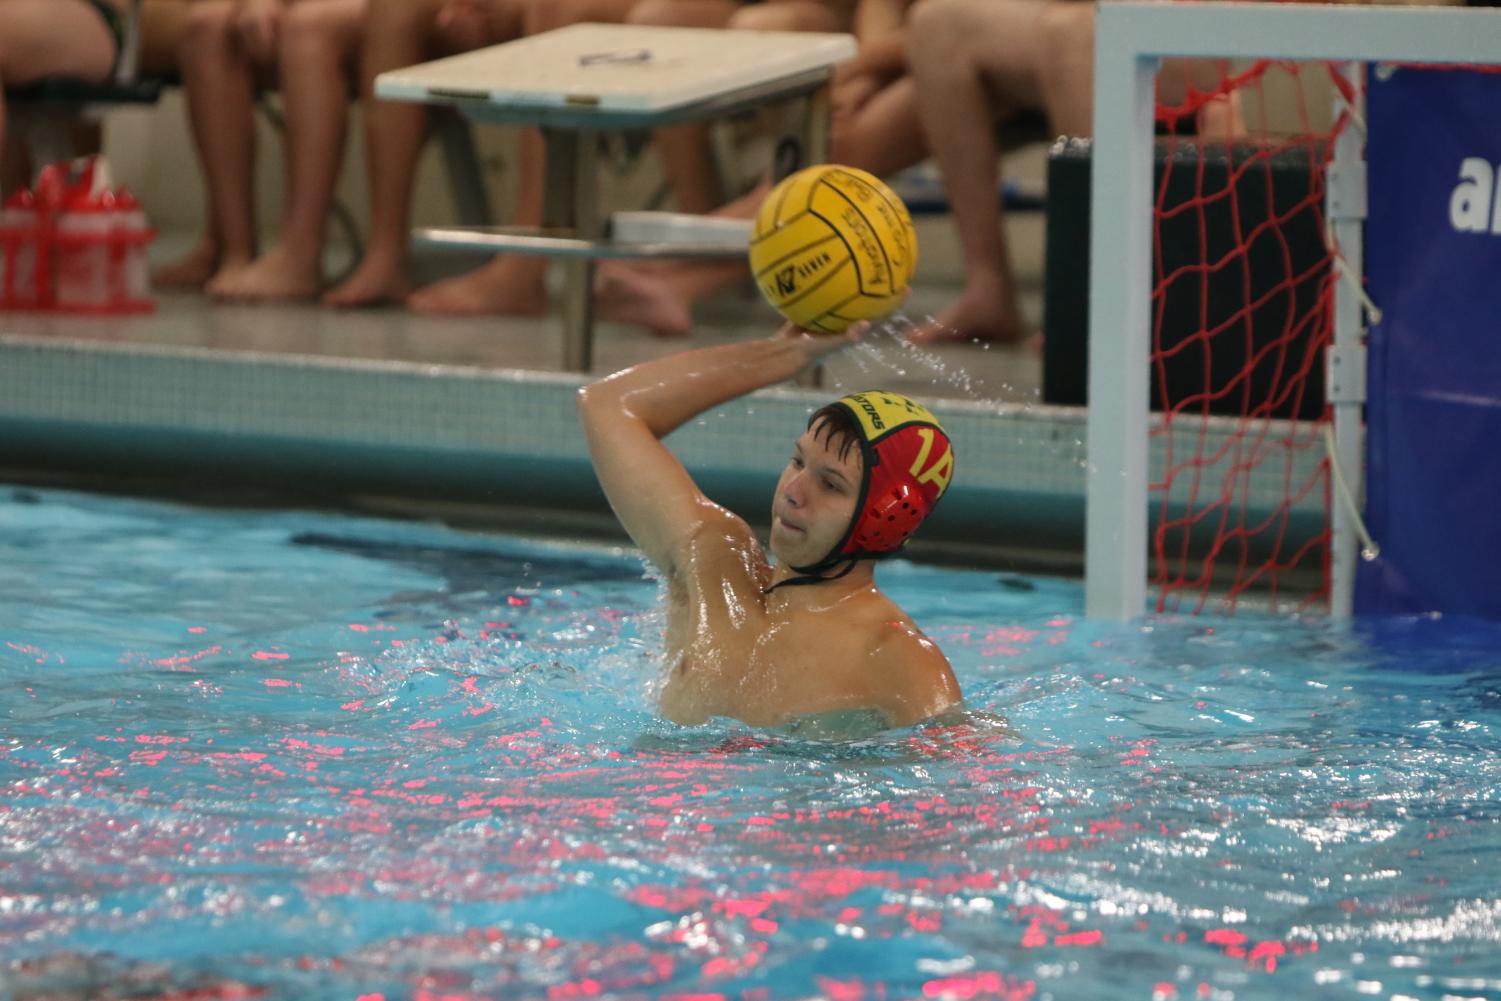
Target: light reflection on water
x,y
293,755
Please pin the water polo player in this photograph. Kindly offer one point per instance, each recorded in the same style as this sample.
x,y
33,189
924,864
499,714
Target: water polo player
x,y
809,637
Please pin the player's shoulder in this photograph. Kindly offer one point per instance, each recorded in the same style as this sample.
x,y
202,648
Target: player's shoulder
x,y
721,543
896,635
718,530
913,666
891,635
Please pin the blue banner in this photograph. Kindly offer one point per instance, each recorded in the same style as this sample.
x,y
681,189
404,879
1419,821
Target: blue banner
x,y
1433,261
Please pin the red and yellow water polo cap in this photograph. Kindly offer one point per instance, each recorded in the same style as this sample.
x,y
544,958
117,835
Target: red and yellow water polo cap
x,y
908,465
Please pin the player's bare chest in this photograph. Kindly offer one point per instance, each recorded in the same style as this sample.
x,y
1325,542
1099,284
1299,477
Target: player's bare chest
x,y
804,661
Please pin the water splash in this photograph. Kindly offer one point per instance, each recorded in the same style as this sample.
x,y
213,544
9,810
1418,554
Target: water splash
x,y
886,352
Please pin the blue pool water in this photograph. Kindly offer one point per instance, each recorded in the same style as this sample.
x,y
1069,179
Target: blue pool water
x,y
300,755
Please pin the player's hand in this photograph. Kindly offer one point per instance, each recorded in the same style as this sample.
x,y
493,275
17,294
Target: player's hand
x,y
816,347
258,23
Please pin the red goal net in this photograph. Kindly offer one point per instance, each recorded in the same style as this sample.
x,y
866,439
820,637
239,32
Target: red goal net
x,y
1244,273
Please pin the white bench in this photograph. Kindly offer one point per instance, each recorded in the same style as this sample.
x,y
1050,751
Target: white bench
x,y
579,81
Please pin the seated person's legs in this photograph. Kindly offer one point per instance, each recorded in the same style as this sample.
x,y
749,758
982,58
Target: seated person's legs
x,y
687,153
164,28
1066,69
686,157
874,127
1221,117
882,135
507,284
514,283
549,15
683,13
65,38
42,38
795,15
977,63
164,23
319,45
397,33
464,25
219,79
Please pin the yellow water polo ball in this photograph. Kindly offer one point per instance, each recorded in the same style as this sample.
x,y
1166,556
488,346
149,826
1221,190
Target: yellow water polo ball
x,y
832,245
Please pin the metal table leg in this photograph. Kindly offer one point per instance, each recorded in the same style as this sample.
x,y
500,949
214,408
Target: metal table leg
x,y
571,202
471,201
818,106
573,226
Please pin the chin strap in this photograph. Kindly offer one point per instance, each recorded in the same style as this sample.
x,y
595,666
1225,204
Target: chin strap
x,y
808,575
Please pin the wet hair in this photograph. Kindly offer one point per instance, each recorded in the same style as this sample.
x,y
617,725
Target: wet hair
x,y
835,427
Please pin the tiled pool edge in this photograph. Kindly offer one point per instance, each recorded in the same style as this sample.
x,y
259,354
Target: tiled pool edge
x,y
500,436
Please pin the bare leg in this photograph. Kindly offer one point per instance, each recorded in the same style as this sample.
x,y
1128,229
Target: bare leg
x,y
1221,119
515,283
164,24
512,284
687,158
1066,71
193,269
43,37
882,136
659,300
548,15
319,43
659,297
397,33
794,15
687,155
977,62
218,84
18,166
885,134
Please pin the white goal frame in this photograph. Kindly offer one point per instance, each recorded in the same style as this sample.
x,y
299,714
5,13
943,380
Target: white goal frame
x,y
1130,40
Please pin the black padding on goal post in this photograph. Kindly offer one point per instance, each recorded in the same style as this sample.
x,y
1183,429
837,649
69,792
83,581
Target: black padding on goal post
x,y
1274,258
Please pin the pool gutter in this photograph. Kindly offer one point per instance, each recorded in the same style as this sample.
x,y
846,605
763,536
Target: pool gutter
x,y
498,437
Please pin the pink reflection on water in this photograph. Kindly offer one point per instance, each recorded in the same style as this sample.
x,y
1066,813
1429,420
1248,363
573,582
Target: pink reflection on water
x,y
184,660
988,984
1264,954
37,654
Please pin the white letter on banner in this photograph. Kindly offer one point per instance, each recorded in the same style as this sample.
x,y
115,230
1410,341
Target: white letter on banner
x,y
1470,205
1496,210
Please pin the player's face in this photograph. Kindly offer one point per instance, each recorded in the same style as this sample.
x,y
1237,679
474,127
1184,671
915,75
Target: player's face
x,y
814,502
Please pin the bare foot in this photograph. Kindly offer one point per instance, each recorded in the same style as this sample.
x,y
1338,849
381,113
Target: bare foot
x,y
508,285
276,274
373,283
974,317
628,295
190,271
229,268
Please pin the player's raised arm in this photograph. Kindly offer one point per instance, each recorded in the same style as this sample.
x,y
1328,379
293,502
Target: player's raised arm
x,y
626,415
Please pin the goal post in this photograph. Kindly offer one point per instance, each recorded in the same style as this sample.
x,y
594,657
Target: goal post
x,y
1131,39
